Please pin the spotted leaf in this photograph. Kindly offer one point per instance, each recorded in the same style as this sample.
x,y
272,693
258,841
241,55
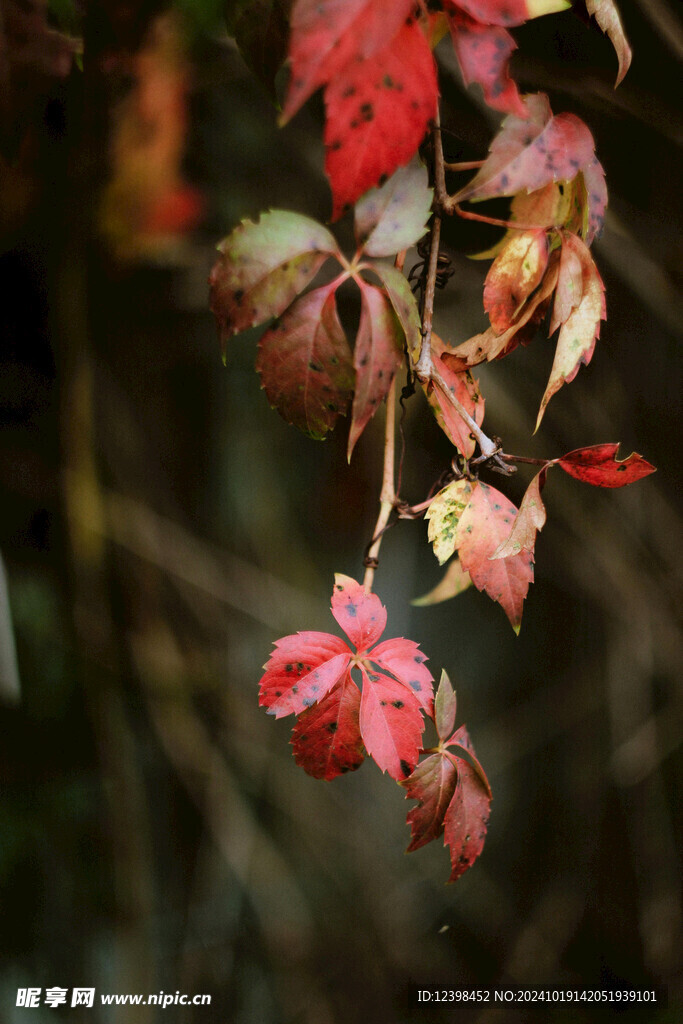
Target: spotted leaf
x,y
391,724
301,670
483,53
514,274
444,515
404,660
466,819
528,521
361,615
599,466
326,738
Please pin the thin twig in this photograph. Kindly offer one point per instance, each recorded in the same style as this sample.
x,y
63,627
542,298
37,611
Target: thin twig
x,y
388,495
467,165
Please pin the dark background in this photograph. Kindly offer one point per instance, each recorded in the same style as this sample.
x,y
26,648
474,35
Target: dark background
x,y
160,527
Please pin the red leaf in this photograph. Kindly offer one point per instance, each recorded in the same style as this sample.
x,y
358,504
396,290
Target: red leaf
x,y
390,723
606,14
301,670
514,274
404,660
378,110
599,466
569,282
433,785
377,356
304,362
361,615
327,34
483,53
466,819
466,389
326,737
508,12
527,155
528,521
460,740
483,526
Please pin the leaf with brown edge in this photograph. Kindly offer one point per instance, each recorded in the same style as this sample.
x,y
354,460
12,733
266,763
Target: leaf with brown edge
x,y
391,724
579,332
378,111
462,385
444,515
326,738
326,35
377,356
394,216
514,274
301,670
528,522
262,267
484,525
360,614
489,345
433,785
527,155
445,706
483,53
606,13
466,820
305,363
452,583
598,465
402,299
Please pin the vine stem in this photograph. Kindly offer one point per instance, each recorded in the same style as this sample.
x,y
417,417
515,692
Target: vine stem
x,y
387,498
425,369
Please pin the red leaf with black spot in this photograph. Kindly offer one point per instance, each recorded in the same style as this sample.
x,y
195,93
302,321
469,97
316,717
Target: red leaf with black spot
x,y
599,466
483,53
308,674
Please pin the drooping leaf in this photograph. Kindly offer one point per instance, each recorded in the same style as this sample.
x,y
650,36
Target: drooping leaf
x,y
453,582
390,723
483,526
433,785
262,267
361,615
394,216
377,356
527,155
598,465
466,819
445,706
404,660
326,35
301,670
489,345
403,301
305,363
463,386
444,515
528,521
326,738
483,53
607,16
514,274
581,329
596,198
508,12
378,111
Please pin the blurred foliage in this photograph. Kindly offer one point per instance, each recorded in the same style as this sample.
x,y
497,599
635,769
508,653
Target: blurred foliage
x,y
161,526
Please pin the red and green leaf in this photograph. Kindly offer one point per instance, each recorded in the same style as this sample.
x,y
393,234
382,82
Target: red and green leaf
x,y
482,528
305,363
599,466
377,356
402,299
326,738
528,522
264,266
514,274
394,217
391,724
444,515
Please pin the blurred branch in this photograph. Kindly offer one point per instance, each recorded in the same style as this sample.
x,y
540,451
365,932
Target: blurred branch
x,y
10,686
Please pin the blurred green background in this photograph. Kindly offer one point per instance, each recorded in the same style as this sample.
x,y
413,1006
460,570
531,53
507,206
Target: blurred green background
x,y
161,526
